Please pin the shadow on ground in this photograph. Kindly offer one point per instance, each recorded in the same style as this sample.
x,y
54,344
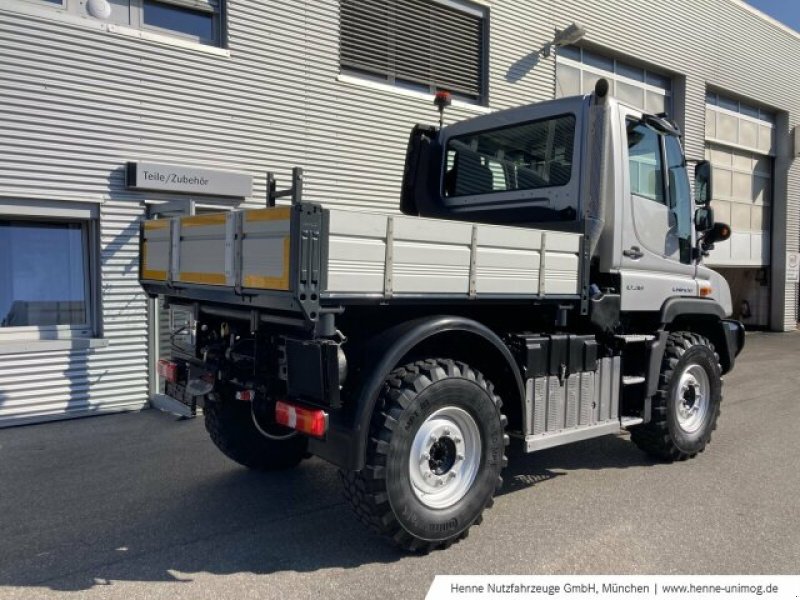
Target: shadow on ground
x,y
150,499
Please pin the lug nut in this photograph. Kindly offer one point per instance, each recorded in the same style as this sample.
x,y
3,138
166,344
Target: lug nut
x,y
459,457
457,440
425,456
447,432
452,474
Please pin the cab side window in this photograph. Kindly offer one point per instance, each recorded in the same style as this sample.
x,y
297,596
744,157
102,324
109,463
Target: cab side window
x,y
646,162
680,198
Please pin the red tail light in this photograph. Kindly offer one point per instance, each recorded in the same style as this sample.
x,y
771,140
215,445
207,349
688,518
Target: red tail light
x,y
305,420
245,395
168,370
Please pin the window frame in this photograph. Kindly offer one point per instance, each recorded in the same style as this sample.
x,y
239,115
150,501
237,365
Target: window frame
x,y
91,328
471,8
75,10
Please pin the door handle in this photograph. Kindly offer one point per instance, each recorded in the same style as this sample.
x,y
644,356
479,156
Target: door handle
x,y
635,253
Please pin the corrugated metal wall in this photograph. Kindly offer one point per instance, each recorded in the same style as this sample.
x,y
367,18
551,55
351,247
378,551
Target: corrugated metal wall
x,y
77,100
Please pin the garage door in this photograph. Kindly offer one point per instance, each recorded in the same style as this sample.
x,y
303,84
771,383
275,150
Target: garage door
x,y
578,69
740,145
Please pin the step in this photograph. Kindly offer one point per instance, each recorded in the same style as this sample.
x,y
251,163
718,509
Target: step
x,y
632,379
635,338
626,422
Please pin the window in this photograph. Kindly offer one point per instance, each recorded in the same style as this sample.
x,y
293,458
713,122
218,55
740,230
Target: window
x,y
646,165
416,42
680,198
194,20
44,276
520,157
577,70
736,123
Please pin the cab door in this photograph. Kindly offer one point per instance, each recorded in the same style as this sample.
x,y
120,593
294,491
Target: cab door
x,y
657,233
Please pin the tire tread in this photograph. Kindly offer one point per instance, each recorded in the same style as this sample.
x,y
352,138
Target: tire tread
x,y
365,490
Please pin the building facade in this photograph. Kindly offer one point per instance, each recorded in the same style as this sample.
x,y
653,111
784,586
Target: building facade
x,y
334,86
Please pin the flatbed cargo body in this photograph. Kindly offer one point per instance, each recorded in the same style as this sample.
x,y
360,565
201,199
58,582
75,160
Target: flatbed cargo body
x,y
302,257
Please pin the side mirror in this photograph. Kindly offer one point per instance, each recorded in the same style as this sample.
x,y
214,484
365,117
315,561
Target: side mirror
x,y
703,192
704,219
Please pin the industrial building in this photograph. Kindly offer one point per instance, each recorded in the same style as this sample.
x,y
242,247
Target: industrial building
x,y
111,110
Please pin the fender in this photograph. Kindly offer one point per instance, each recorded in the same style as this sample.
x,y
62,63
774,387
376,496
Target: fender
x,y
707,317
678,306
386,351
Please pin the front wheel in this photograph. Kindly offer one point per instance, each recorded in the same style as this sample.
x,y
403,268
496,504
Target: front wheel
x,y
687,403
434,457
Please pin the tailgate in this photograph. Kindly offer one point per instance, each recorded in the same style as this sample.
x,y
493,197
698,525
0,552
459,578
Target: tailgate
x,y
247,249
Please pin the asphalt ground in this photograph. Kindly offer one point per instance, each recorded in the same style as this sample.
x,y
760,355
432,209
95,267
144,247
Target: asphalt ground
x,y
142,505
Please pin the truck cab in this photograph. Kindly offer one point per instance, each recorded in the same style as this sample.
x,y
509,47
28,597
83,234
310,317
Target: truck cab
x,y
588,164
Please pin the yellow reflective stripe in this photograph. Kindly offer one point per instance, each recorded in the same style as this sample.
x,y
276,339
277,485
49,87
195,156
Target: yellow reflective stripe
x,y
210,278
279,213
153,274
204,220
156,224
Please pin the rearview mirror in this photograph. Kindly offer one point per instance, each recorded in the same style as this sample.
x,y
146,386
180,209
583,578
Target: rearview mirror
x,y
703,219
703,192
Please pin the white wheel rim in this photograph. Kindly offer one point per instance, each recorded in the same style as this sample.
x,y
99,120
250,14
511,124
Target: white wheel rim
x,y
693,398
445,457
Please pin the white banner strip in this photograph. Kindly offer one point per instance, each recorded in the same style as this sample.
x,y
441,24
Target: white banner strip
x,y
630,587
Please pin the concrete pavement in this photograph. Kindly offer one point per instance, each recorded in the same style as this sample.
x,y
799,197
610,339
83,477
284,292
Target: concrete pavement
x,y
143,505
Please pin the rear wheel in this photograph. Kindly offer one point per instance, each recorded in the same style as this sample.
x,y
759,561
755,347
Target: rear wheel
x,y
687,404
434,457
243,435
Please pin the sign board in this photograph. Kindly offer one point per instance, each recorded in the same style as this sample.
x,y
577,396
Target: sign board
x,y
187,180
793,266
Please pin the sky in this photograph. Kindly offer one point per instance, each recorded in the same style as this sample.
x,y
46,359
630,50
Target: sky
x,y
786,11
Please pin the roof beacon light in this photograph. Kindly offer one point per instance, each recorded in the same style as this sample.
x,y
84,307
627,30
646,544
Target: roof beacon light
x,y
442,100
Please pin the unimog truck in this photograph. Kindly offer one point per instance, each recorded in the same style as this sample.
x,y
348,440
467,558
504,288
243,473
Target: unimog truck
x,y
541,284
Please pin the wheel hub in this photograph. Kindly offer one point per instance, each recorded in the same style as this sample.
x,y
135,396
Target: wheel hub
x,y
444,457
693,398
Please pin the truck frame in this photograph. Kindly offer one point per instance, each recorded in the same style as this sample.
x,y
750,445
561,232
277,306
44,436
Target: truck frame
x,y
544,285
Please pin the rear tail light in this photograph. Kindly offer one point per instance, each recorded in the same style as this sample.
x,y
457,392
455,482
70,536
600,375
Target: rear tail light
x,y
245,395
168,370
313,422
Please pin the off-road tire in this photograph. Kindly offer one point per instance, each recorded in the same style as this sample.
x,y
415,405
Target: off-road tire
x,y
231,427
381,494
663,437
